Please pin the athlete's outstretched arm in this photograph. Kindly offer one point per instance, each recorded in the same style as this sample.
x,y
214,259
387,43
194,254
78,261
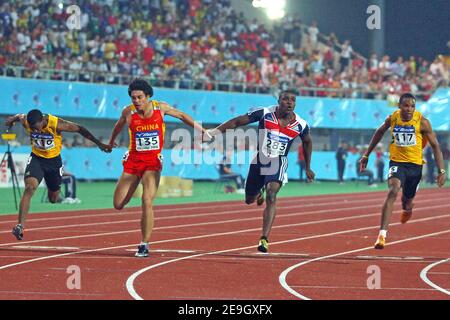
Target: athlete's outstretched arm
x,y
231,124
118,127
68,126
307,151
187,119
10,121
376,138
428,133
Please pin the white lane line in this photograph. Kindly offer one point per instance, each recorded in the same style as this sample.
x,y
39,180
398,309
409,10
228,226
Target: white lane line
x,y
199,237
195,216
361,288
45,248
158,211
209,236
305,201
388,258
283,275
218,222
276,254
130,281
423,276
166,250
120,214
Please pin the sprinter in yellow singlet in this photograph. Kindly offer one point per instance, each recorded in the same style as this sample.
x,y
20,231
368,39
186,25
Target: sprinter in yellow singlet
x,y
410,132
45,159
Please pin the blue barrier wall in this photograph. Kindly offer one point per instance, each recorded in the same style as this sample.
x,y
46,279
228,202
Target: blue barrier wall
x,y
91,163
74,99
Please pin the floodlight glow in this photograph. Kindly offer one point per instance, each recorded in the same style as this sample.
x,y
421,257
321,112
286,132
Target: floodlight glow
x,y
275,14
256,3
274,8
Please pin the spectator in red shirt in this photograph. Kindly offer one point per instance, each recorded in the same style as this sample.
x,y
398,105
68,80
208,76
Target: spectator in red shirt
x,y
147,54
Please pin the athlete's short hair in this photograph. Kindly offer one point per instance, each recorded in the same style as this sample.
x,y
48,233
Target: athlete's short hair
x,y
406,96
287,91
34,116
140,84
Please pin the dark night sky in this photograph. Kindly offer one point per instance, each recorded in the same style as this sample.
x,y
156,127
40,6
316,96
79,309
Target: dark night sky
x,y
413,27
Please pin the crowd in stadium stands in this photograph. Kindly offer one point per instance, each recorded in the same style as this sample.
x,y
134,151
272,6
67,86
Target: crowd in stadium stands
x,y
198,44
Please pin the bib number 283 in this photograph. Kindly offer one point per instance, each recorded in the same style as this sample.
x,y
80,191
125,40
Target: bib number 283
x,y
275,145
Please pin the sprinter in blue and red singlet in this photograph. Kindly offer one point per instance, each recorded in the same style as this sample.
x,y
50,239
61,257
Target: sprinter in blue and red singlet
x,y
278,127
143,160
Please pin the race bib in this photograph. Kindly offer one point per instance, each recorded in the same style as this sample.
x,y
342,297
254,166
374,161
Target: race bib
x,y
392,170
404,136
274,145
43,141
147,141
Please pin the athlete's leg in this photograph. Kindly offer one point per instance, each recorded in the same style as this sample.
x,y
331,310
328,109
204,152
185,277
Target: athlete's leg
x,y
253,185
53,172
394,186
53,196
272,189
409,192
150,183
31,184
125,188
34,174
249,199
407,204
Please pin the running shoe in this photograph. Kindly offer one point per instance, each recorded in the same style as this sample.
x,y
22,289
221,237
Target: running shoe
x,y
381,241
142,251
17,231
405,216
263,245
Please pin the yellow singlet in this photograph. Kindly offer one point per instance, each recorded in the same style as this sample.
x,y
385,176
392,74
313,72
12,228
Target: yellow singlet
x,y
406,139
48,142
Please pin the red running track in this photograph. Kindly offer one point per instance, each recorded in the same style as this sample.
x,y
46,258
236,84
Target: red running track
x,y
320,248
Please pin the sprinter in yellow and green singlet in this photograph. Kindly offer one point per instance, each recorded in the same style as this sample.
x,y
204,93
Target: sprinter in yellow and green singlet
x,y
410,132
45,159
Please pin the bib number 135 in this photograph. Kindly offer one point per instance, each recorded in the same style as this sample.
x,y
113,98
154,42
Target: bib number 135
x,y
147,141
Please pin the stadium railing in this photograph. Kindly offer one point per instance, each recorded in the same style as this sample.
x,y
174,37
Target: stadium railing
x,y
195,84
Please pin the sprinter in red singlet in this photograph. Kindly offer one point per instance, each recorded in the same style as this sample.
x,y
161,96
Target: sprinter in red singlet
x,y
143,160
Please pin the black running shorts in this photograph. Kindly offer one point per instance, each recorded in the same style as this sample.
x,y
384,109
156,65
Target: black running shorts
x,y
409,174
50,170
